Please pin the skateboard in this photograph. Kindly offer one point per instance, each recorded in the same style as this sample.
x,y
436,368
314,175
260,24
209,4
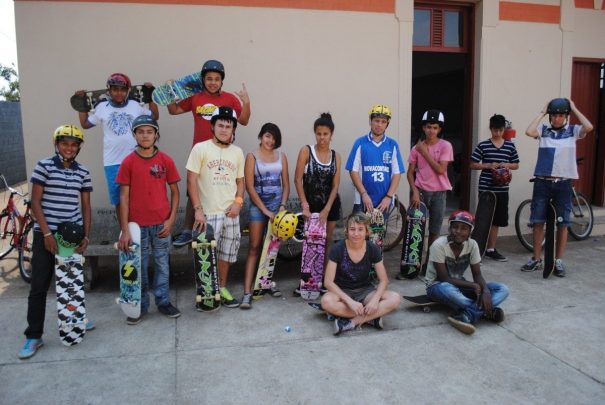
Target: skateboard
x,y
178,90
484,215
312,265
317,306
130,274
205,268
377,231
88,101
266,265
69,278
413,242
422,301
549,241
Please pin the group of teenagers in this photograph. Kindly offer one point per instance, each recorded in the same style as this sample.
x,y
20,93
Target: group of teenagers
x,y
139,176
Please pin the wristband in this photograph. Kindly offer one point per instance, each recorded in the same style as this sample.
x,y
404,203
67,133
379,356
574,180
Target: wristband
x,y
239,200
46,235
305,206
389,196
86,238
198,208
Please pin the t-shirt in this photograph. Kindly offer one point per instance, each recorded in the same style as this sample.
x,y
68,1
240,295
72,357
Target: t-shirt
x,y
202,105
147,178
218,168
426,178
62,190
118,140
557,151
352,275
441,252
376,164
487,152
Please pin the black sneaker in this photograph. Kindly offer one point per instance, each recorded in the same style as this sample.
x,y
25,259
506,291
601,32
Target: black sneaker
x,y
342,325
377,323
496,315
201,307
169,310
494,254
296,292
532,265
462,323
134,321
227,299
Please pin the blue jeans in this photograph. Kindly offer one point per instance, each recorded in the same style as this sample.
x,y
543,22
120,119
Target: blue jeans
x,y
464,299
560,192
160,248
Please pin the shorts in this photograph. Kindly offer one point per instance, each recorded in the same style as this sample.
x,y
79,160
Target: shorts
x,y
256,215
113,188
334,214
227,235
359,294
501,210
560,193
435,203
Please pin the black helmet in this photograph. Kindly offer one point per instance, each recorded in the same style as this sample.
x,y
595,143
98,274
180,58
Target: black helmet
x,y
213,66
70,234
144,120
224,113
433,117
558,106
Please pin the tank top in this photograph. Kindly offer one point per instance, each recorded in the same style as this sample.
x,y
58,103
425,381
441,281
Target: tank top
x,y
317,180
267,180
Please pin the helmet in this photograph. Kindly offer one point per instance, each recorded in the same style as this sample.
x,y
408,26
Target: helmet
x,y
558,106
224,113
433,117
142,120
501,176
213,66
68,132
70,234
381,110
462,216
118,79
284,225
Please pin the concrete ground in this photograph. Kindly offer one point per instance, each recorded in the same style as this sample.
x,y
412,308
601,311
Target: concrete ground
x,y
549,349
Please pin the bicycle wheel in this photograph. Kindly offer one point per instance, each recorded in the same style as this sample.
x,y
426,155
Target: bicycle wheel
x,y
582,217
523,227
8,227
394,227
25,252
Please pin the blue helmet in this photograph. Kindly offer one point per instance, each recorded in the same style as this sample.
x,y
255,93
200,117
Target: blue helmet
x,y
142,120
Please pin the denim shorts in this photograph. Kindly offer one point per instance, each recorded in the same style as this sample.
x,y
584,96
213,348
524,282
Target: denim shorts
x,y
111,172
256,215
559,192
435,203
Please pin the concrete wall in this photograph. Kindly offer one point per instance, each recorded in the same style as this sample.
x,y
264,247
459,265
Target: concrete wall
x,y
12,155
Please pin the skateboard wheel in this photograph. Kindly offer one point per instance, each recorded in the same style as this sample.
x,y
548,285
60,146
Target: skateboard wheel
x,y
213,244
273,284
198,298
194,245
83,260
427,309
217,297
115,246
117,300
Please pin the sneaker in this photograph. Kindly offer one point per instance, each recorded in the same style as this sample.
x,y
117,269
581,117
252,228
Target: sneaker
x,y
201,307
342,325
496,315
90,325
183,239
30,348
275,292
559,268
246,301
169,310
134,321
532,265
377,323
494,254
296,292
400,276
227,299
462,323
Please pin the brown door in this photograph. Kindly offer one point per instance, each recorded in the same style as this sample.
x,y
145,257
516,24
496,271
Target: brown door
x,y
585,92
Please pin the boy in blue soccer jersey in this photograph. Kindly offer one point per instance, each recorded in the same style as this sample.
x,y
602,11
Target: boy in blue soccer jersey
x,y
375,164
555,169
59,186
494,154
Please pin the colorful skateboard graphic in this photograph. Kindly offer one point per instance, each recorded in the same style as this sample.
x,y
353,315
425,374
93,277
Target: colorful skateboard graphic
x,y
413,242
549,241
483,219
266,265
377,231
205,268
130,274
89,100
178,90
312,266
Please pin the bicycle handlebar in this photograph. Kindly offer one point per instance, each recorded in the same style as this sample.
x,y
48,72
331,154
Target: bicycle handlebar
x,y
12,190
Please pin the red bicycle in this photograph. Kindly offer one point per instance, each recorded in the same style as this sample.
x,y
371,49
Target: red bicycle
x,y
16,230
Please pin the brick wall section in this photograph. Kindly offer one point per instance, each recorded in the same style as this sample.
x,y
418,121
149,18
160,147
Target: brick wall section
x,y
12,155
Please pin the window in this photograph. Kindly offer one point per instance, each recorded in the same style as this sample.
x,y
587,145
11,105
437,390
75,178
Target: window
x,y
441,29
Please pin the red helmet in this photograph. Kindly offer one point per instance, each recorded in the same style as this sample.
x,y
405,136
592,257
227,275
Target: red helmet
x,y
462,216
118,79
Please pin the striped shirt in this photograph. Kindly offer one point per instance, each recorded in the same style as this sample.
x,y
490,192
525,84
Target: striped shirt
x,y
62,189
487,152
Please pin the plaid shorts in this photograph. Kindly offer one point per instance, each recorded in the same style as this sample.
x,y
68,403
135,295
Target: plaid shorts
x,y
227,235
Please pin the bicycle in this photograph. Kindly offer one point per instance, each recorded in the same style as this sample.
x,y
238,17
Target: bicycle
x,y
582,219
16,230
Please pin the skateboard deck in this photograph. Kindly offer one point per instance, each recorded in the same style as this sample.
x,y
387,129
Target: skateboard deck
x,y
549,241
484,214
312,265
422,301
88,101
69,278
205,269
377,231
413,241
266,265
130,274
180,89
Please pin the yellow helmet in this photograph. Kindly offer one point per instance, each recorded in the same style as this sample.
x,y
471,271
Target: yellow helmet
x,y
68,132
381,110
284,225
